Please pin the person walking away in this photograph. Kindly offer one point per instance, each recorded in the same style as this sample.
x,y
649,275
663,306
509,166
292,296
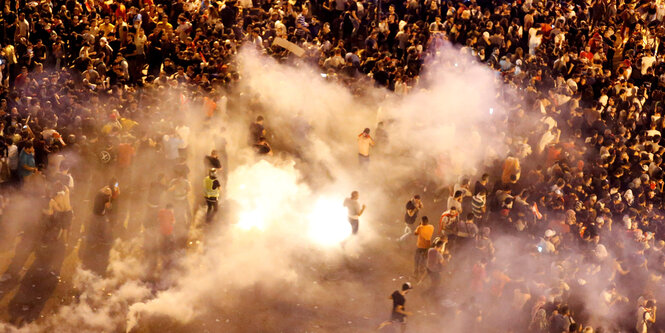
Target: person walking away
x,y
98,235
398,314
424,232
212,190
412,207
354,210
365,141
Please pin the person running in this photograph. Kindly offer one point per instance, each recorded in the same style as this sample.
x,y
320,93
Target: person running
x,y
424,232
412,207
212,189
398,314
354,210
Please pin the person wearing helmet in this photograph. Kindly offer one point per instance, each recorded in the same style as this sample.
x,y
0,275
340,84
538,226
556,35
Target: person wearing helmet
x,y
212,188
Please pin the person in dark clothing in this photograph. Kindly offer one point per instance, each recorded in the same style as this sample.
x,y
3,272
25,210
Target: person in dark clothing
x,y
398,314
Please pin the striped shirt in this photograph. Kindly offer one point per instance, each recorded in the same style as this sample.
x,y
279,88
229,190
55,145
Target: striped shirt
x,y
477,205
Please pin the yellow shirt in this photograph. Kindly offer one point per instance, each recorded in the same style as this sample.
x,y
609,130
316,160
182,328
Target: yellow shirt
x,y
424,233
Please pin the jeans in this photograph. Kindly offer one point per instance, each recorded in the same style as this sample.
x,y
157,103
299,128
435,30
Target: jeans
x,y
354,225
363,161
212,208
421,256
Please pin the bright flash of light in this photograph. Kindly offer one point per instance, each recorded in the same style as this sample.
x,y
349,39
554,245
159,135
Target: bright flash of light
x,y
491,110
250,220
328,223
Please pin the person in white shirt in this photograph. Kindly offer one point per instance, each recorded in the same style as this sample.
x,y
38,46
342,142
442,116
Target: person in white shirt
x,y
365,141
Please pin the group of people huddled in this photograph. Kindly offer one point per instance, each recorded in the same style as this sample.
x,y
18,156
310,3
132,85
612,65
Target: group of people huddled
x,y
83,95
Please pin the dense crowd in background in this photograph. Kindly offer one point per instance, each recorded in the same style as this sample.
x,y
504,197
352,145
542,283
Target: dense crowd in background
x,y
84,79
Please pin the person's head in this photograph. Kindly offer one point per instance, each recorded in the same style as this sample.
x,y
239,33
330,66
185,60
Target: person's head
x,y
354,195
212,172
366,131
424,220
406,287
469,218
416,198
439,244
29,148
259,120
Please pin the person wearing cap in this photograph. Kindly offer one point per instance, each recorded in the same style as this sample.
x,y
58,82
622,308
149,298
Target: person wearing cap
x,y
212,190
398,314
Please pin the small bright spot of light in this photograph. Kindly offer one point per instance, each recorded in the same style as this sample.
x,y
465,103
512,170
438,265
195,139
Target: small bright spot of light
x,y
328,223
455,64
491,110
250,220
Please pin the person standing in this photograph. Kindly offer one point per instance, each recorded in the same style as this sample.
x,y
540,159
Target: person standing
x,y
435,263
398,314
256,131
354,210
412,207
365,141
180,188
166,218
212,190
646,315
26,161
424,232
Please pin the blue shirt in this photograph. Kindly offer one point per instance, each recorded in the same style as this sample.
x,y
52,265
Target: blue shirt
x,y
25,159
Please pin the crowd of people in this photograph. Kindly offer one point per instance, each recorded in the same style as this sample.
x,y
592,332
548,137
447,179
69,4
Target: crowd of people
x,y
83,95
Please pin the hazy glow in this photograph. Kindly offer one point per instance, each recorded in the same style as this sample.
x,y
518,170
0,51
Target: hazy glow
x,y
328,223
250,220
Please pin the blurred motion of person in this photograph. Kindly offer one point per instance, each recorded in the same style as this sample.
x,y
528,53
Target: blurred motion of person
x,y
256,131
98,238
180,188
412,207
399,313
262,147
211,192
354,210
365,141
166,219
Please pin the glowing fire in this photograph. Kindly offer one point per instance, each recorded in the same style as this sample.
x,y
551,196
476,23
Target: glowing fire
x,y
328,223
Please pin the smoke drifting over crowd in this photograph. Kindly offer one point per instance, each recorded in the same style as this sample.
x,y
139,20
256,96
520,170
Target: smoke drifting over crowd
x,y
284,228
280,257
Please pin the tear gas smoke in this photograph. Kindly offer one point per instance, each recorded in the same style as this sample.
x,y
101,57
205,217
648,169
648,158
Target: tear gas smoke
x,y
285,215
